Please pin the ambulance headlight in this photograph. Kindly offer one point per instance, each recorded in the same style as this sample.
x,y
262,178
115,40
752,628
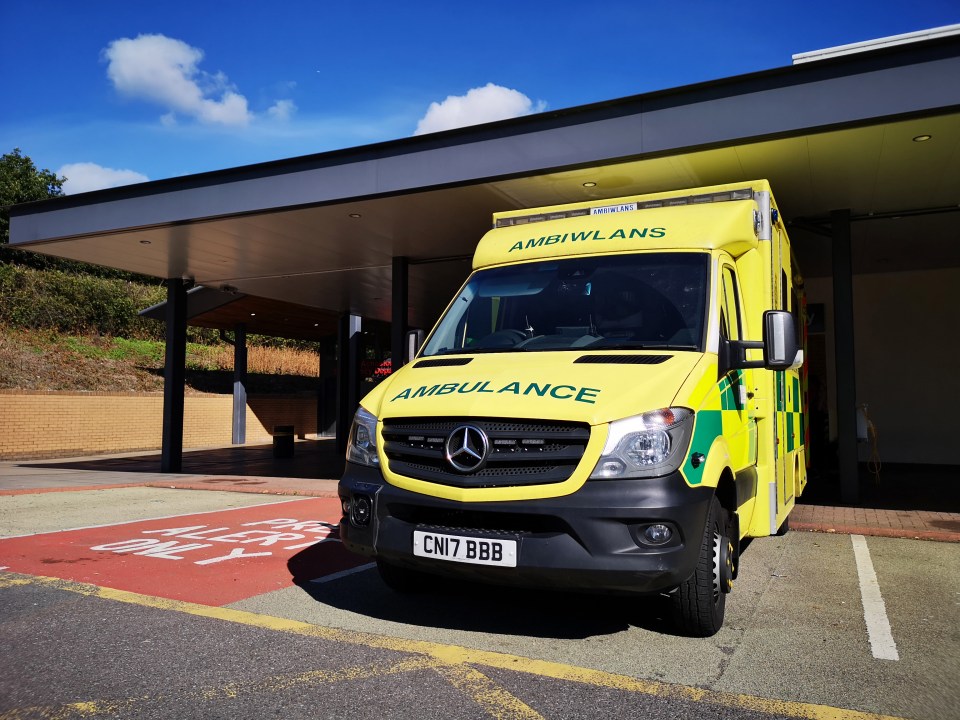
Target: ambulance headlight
x,y
647,445
362,447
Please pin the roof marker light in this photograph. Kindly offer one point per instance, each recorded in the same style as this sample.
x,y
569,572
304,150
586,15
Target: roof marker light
x,y
723,196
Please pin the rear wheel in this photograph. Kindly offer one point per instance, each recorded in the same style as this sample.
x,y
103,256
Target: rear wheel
x,y
699,603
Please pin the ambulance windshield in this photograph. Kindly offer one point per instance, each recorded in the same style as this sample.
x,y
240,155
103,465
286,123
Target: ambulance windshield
x,y
629,302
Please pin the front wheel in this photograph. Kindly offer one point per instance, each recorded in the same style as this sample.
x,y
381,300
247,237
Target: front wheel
x,y
699,603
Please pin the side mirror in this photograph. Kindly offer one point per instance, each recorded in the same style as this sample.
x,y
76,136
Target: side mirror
x,y
414,343
779,340
780,351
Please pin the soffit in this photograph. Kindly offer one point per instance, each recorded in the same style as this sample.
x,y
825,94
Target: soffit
x,y
324,257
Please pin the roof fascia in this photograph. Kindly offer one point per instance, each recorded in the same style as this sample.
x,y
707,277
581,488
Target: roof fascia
x,y
916,78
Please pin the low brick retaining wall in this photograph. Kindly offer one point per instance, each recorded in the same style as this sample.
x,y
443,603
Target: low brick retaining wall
x,y
37,425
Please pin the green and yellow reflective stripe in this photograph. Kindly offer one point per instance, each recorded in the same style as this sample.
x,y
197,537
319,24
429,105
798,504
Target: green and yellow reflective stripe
x,y
708,426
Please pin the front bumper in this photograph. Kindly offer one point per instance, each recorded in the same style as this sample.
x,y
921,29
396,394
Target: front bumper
x,y
591,540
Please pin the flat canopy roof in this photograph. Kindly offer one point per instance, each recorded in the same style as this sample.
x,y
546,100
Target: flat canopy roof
x,y
321,230
224,310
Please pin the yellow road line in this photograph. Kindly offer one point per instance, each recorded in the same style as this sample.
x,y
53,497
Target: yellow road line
x,y
452,655
230,691
487,694
312,678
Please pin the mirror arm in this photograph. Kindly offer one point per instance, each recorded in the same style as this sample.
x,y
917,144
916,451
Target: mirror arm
x,y
738,356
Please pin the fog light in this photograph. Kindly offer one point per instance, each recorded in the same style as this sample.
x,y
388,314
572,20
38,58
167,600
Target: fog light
x,y
362,508
345,505
658,534
610,469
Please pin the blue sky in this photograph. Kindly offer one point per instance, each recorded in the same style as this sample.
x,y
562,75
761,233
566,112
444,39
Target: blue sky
x,y
110,92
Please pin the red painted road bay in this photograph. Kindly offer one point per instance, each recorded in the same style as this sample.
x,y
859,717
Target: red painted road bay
x,y
213,558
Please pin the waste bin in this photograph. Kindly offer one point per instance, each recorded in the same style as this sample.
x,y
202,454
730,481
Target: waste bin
x,y
283,441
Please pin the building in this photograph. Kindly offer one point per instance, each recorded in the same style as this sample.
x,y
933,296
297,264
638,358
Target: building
x,y
861,145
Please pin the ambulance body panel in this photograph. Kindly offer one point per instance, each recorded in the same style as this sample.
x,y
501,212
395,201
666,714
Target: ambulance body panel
x,y
612,402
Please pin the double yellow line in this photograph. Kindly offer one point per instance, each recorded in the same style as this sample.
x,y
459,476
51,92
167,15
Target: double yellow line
x,y
457,665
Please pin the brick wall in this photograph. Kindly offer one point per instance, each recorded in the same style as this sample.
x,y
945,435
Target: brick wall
x,y
36,425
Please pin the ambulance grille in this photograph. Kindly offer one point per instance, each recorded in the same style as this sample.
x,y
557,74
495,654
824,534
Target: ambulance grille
x,y
521,452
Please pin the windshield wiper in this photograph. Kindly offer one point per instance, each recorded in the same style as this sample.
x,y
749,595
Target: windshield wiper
x,y
636,345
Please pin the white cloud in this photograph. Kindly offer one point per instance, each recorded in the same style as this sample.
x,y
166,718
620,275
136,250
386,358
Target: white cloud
x,y
165,71
87,176
479,105
282,110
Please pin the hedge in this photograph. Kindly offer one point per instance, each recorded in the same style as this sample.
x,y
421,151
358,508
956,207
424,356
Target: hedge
x,y
77,303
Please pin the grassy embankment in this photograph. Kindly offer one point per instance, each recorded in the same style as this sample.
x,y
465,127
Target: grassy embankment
x,y
70,331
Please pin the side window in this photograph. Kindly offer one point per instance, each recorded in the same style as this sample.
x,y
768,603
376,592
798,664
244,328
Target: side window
x,y
798,319
790,291
478,322
730,305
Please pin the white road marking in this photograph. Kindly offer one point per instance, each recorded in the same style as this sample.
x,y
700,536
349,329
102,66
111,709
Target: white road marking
x,y
343,573
161,517
874,610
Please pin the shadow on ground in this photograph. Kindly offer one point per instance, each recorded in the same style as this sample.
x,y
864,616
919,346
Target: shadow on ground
x,y
312,458
896,487
474,607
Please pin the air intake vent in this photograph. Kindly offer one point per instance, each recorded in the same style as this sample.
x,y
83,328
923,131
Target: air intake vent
x,y
519,451
623,359
442,363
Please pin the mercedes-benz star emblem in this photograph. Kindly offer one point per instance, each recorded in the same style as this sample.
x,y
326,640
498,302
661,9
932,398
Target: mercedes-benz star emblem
x,y
466,449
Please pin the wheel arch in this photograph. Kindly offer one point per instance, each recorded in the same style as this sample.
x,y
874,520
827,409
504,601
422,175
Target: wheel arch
x,y
727,490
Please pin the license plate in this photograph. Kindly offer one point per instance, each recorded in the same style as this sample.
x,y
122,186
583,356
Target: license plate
x,y
458,548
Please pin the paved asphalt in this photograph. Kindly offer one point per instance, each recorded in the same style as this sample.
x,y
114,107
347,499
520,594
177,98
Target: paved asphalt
x,y
185,604
99,657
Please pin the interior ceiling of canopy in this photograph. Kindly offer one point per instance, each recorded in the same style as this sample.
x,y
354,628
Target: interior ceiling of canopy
x,y
902,192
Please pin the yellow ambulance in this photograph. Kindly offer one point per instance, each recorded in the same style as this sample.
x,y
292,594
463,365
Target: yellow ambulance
x,y
612,403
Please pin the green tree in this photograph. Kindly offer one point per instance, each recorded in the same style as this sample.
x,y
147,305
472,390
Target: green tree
x,y
21,181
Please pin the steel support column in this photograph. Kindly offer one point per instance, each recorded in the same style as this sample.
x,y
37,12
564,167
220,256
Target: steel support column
x,y
327,394
398,317
174,376
348,373
845,359
239,424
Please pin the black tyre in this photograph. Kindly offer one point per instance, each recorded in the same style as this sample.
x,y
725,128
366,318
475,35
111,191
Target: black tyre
x,y
404,580
699,603
784,528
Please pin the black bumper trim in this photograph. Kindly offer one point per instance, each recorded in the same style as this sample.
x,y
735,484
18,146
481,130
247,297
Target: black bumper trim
x,y
589,540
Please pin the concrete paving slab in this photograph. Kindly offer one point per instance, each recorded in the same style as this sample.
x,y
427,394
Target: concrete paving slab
x,y
32,513
795,628
600,632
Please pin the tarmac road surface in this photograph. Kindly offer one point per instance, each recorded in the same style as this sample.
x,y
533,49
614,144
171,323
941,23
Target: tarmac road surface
x,y
144,602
